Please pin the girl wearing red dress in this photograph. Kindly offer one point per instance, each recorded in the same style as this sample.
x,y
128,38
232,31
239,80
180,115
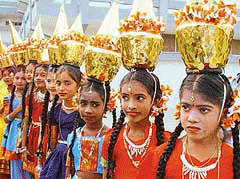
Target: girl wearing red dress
x,y
126,146
32,122
204,99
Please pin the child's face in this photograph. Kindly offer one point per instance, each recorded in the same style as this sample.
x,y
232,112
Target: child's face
x,y
91,107
40,77
51,83
29,73
65,85
8,77
19,80
136,101
199,117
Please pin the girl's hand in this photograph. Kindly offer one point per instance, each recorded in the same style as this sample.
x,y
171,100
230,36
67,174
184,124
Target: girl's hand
x,y
19,108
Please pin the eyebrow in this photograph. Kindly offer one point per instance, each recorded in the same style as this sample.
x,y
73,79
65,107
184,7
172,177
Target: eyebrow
x,y
203,105
84,100
140,94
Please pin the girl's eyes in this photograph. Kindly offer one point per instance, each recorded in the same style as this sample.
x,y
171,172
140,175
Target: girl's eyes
x,y
140,98
204,110
68,83
58,83
83,103
185,107
125,97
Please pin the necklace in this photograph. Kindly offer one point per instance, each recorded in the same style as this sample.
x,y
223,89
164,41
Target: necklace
x,y
135,150
65,107
198,172
90,154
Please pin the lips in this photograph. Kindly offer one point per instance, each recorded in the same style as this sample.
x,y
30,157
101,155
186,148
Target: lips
x,y
88,117
193,129
132,114
62,94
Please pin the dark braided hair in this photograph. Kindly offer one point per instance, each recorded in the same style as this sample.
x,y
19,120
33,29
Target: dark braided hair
x,y
51,117
168,151
24,93
210,85
43,121
114,116
77,123
12,98
236,151
113,141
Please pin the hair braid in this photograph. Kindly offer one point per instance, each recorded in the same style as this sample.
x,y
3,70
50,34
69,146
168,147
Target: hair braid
x,y
168,150
12,98
236,151
112,143
43,120
76,125
114,116
160,128
51,117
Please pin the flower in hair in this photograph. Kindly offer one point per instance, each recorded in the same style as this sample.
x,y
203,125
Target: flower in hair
x,y
233,112
112,104
161,104
178,112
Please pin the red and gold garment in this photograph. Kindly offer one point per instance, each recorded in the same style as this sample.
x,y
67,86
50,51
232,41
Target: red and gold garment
x,y
174,165
33,137
123,165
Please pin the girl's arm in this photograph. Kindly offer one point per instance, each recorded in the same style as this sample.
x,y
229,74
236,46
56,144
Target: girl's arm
x,y
13,114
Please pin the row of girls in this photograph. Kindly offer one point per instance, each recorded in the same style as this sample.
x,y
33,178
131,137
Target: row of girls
x,y
54,101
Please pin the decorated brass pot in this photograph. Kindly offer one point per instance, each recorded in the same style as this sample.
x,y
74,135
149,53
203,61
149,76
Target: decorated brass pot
x,y
72,52
22,57
39,55
6,61
101,64
141,49
204,45
54,55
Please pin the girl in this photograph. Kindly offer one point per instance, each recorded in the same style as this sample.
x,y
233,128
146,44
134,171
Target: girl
x,y
32,125
5,89
13,129
85,144
63,115
46,129
204,99
129,143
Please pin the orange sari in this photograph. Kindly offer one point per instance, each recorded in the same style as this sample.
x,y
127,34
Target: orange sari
x,y
174,165
123,165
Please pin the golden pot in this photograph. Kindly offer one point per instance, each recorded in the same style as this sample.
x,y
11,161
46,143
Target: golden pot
x,y
39,55
6,61
204,45
101,64
54,55
141,50
22,57
72,52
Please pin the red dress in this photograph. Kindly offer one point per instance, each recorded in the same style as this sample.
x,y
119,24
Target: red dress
x,y
33,137
174,165
123,165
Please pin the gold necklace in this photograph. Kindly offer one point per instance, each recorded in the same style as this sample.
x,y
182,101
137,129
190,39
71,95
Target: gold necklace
x,y
133,149
195,171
